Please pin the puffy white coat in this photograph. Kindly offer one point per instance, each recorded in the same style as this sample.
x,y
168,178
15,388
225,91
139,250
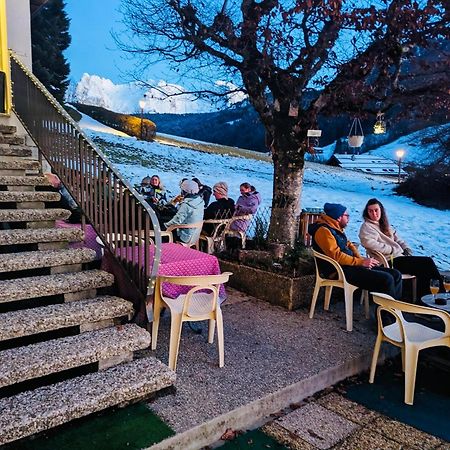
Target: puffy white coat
x,y
372,238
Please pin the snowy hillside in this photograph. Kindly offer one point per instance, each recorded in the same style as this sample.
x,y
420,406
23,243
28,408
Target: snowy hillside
x,y
415,151
124,98
425,229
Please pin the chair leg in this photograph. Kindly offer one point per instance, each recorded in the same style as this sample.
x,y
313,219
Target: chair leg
x,y
376,352
403,359
414,289
175,334
220,341
314,300
365,294
211,329
155,324
328,291
348,296
411,356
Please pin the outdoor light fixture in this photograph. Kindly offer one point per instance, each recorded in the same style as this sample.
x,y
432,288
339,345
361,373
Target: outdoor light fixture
x,y
380,124
400,153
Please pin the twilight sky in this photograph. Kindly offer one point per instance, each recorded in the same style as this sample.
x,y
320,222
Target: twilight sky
x,y
93,50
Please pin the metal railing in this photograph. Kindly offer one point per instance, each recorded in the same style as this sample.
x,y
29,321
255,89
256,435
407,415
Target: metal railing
x,y
117,212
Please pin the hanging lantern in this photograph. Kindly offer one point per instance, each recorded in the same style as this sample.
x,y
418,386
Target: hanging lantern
x,y
355,135
380,124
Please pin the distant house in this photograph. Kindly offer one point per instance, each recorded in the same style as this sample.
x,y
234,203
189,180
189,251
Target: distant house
x,y
376,165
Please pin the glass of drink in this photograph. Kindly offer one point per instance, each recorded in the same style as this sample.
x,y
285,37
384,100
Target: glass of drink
x,y
434,288
447,283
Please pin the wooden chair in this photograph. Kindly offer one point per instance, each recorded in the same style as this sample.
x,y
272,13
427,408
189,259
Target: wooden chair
x,y
339,282
200,303
411,337
405,276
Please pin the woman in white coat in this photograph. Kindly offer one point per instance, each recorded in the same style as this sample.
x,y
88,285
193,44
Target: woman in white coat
x,y
376,234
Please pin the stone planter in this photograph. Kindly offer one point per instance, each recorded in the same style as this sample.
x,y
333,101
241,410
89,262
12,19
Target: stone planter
x,y
291,293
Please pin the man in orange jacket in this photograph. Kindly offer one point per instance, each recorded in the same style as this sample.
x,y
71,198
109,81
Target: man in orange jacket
x,y
329,238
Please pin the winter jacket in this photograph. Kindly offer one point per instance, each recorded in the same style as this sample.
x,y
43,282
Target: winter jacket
x,y
220,209
190,211
205,192
329,238
153,195
372,238
246,204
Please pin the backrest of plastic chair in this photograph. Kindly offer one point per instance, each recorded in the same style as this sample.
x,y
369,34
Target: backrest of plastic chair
x,y
243,221
399,307
196,280
335,264
378,256
198,283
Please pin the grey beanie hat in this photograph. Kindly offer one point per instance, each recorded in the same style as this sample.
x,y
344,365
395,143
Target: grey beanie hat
x,y
189,186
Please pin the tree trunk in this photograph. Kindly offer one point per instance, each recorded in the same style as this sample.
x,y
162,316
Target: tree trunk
x,y
287,189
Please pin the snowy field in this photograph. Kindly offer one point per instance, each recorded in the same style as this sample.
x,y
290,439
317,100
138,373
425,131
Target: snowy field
x,y
426,230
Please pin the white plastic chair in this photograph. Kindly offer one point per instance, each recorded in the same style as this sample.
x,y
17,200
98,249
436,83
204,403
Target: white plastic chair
x,y
193,242
216,241
241,233
411,337
200,303
339,282
405,276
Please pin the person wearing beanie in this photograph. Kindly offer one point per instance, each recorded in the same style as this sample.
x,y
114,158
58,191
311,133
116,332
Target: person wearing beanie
x,y
204,191
222,208
190,211
329,239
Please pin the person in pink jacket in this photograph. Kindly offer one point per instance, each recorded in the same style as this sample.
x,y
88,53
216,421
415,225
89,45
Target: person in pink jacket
x,y
377,234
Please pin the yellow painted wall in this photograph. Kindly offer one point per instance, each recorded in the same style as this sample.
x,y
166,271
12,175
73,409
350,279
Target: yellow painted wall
x,y
4,56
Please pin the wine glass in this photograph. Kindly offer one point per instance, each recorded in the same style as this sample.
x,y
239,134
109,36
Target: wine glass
x,y
447,283
434,288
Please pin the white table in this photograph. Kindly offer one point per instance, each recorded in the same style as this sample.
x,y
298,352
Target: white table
x,y
429,301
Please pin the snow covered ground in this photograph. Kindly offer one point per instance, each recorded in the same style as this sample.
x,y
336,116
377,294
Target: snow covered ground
x,y
427,230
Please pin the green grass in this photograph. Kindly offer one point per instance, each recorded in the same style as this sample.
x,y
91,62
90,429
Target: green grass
x,y
133,427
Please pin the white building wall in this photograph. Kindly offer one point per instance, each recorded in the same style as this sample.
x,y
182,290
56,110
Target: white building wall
x,y
19,29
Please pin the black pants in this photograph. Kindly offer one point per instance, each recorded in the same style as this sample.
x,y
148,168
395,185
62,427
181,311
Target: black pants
x,y
423,268
378,279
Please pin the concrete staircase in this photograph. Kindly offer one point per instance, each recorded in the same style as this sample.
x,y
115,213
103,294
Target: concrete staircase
x,y
66,349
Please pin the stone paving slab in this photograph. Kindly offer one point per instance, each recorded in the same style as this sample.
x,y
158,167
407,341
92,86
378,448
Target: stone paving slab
x,y
317,425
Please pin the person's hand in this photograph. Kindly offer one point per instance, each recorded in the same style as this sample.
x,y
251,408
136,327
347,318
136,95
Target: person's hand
x,y
370,263
407,252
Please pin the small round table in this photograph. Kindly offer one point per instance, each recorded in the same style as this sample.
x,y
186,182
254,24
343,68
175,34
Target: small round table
x,y
429,301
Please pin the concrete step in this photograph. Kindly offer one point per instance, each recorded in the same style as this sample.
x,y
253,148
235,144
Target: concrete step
x,y
31,180
34,411
16,164
7,129
12,140
47,285
44,358
12,262
22,152
31,236
33,215
85,313
29,196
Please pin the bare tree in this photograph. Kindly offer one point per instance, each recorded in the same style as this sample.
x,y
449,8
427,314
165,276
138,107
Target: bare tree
x,y
277,51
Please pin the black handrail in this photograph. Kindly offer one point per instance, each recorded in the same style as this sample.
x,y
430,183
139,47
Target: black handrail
x,y
118,213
